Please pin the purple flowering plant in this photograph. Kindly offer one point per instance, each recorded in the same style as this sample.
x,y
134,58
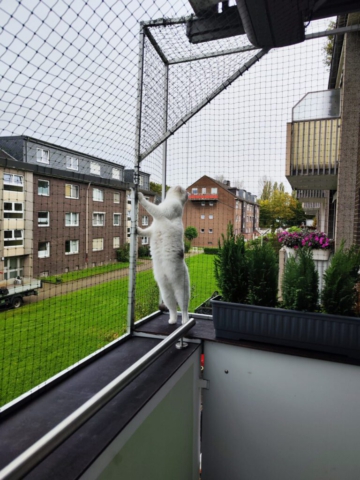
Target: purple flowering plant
x,y
313,240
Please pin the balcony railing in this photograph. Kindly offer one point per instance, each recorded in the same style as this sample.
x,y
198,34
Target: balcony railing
x,y
202,197
313,150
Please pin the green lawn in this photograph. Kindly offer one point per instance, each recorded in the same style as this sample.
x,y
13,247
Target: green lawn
x,y
41,339
86,272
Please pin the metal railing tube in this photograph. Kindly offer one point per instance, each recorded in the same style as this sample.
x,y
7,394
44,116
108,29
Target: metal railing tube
x,y
31,457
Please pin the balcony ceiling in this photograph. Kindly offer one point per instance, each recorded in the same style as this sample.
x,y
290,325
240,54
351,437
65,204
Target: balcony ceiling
x,y
313,182
267,23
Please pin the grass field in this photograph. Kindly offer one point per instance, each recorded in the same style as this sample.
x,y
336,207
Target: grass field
x,y
86,272
41,339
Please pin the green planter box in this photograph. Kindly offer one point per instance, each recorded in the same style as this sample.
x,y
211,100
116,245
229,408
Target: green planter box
x,y
310,331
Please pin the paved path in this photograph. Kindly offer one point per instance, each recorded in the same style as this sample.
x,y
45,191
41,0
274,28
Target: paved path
x,y
51,290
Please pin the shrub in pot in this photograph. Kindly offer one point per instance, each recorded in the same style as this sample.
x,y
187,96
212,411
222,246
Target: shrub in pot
x,y
263,270
338,295
300,285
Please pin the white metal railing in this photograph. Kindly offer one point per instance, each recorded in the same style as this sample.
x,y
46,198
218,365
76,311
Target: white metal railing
x,y
31,457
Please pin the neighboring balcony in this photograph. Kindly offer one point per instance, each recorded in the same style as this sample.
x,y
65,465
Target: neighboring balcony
x,y
313,142
213,197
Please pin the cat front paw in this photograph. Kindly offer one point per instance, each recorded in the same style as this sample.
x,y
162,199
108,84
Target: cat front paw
x,y
172,320
140,197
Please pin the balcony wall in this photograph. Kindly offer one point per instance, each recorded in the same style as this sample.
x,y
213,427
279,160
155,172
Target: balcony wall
x,y
313,153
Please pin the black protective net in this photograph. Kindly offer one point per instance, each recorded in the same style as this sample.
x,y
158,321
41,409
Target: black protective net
x,y
242,134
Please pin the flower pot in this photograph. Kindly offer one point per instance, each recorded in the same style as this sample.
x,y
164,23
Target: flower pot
x,y
321,254
310,331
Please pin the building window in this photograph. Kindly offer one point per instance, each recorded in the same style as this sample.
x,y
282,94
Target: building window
x,y
141,181
214,191
202,230
203,204
98,219
211,204
145,220
116,197
71,247
211,217
95,168
42,156
145,240
43,249
98,195
43,219
71,191
202,217
116,173
97,244
128,232
71,219
116,242
210,230
13,182
13,238
203,190
72,163
44,187
117,219
13,210
194,191
209,243
13,267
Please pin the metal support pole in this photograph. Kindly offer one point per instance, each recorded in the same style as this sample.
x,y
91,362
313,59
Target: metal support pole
x,y
134,190
166,106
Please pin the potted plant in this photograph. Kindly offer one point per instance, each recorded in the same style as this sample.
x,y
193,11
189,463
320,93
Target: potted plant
x,y
318,242
235,318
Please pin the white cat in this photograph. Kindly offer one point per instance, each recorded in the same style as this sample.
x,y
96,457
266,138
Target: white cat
x,y
167,250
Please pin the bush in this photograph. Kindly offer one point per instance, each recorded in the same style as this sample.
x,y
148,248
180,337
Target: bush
x,y
270,238
338,295
123,253
211,250
231,268
263,275
144,251
187,246
300,285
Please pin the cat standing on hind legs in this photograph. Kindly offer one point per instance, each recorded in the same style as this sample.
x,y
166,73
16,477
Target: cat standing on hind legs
x,y
166,235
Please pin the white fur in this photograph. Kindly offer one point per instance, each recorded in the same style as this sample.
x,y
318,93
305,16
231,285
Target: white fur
x,y
167,250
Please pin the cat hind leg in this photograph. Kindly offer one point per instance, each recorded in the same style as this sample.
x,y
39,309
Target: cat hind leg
x,y
169,299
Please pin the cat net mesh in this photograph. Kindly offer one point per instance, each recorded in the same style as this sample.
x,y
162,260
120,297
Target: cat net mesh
x,y
87,89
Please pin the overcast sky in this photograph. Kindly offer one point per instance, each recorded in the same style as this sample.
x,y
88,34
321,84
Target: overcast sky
x,y
70,77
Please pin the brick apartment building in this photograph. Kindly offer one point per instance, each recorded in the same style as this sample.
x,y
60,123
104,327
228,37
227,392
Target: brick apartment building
x,y
62,210
212,205
323,143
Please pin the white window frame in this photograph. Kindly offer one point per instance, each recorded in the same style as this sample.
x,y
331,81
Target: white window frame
x,y
141,180
13,238
44,253
116,242
202,217
97,192
97,240
211,217
11,181
211,230
96,216
128,232
43,156
116,173
203,190
119,223
48,183
74,191
48,219
211,204
214,190
12,211
144,220
117,196
194,191
95,168
144,240
202,230
74,219
72,163
72,244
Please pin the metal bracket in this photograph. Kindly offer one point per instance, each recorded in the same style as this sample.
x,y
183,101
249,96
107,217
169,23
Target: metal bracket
x,y
204,384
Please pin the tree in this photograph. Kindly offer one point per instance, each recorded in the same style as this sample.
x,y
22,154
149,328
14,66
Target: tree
x,y
278,208
190,233
329,46
157,188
